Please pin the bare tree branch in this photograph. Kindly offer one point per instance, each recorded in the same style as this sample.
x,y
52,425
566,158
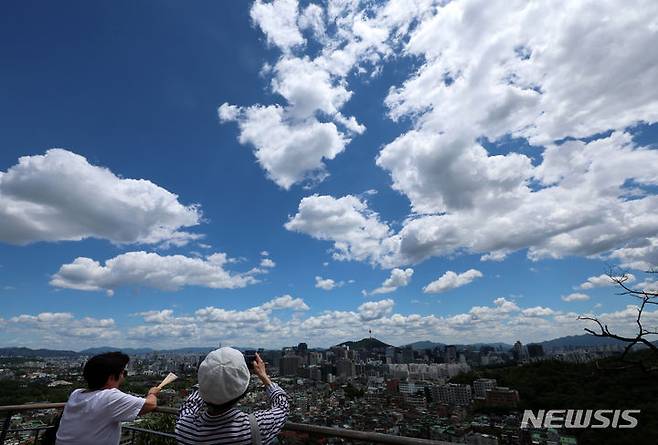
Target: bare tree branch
x,y
647,296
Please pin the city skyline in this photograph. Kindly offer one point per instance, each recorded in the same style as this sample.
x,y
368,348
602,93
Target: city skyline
x,y
254,173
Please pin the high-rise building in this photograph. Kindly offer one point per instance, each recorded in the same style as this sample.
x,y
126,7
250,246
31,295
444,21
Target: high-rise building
x,y
345,368
519,352
315,373
480,387
502,396
288,365
452,394
451,354
407,355
314,358
535,350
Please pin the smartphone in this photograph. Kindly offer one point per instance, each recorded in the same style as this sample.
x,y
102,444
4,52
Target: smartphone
x,y
250,357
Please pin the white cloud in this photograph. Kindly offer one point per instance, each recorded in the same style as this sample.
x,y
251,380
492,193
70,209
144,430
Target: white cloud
x,y
45,318
326,283
583,216
278,20
285,302
440,175
267,263
261,326
398,278
521,72
264,253
575,297
451,280
503,82
373,310
313,18
314,86
61,327
647,286
216,315
289,151
355,230
604,281
641,254
163,316
517,79
60,196
537,311
168,273
308,88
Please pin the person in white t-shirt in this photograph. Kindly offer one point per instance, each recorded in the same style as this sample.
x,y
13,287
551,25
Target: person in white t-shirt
x,y
94,415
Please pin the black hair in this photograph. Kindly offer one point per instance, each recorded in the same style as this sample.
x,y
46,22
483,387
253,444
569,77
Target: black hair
x,y
100,367
226,405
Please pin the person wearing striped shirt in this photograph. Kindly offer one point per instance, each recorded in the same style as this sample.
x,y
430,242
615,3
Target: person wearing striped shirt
x,y
209,415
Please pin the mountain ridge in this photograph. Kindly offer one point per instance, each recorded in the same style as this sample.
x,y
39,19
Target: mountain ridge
x,y
583,340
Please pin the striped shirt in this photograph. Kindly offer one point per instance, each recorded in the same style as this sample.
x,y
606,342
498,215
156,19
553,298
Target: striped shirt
x,y
195,426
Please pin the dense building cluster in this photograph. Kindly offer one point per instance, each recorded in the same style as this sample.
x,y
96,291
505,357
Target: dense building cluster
x,y
366,386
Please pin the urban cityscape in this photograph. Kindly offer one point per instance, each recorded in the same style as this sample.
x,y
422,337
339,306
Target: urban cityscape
x,y
365,385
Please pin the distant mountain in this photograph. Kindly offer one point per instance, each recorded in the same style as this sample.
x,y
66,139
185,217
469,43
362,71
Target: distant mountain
x,y
27,352
421,345
365,343
103,349
585,340
196,350
496,345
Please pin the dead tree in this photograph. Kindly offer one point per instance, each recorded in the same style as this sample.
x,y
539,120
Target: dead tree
x,y
647,296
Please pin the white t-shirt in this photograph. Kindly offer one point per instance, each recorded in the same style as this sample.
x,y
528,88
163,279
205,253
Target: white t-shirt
x,y
94,417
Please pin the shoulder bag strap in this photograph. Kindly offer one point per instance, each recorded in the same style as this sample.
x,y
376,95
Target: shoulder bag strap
x,y
255,431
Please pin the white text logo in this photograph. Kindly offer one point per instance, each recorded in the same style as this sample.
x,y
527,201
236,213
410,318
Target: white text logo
x,y
580,418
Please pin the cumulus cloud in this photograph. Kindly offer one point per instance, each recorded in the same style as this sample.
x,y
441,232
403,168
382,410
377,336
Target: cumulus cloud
x,y
356,231
44,318
60,327
327,283
585,214
210,322
168,273
451,280
285,302
398,278
289,151
60,196
640,254
267,263
501,85
537,311
604,281
575,297
262,325
309,127
373,310
474,104
278,21
163,316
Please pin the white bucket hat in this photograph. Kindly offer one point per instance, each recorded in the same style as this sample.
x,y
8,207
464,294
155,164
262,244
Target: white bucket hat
x,y
223,376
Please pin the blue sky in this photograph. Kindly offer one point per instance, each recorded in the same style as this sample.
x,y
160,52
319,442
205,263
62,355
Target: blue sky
x,y
267,173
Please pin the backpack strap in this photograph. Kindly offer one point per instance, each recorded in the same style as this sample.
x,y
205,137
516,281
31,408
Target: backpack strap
x,y
255,431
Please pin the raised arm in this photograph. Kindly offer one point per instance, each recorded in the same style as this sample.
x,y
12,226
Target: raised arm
x,y
271,422
151,401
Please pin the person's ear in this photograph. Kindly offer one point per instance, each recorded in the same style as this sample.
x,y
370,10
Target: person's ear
x,y
111,380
